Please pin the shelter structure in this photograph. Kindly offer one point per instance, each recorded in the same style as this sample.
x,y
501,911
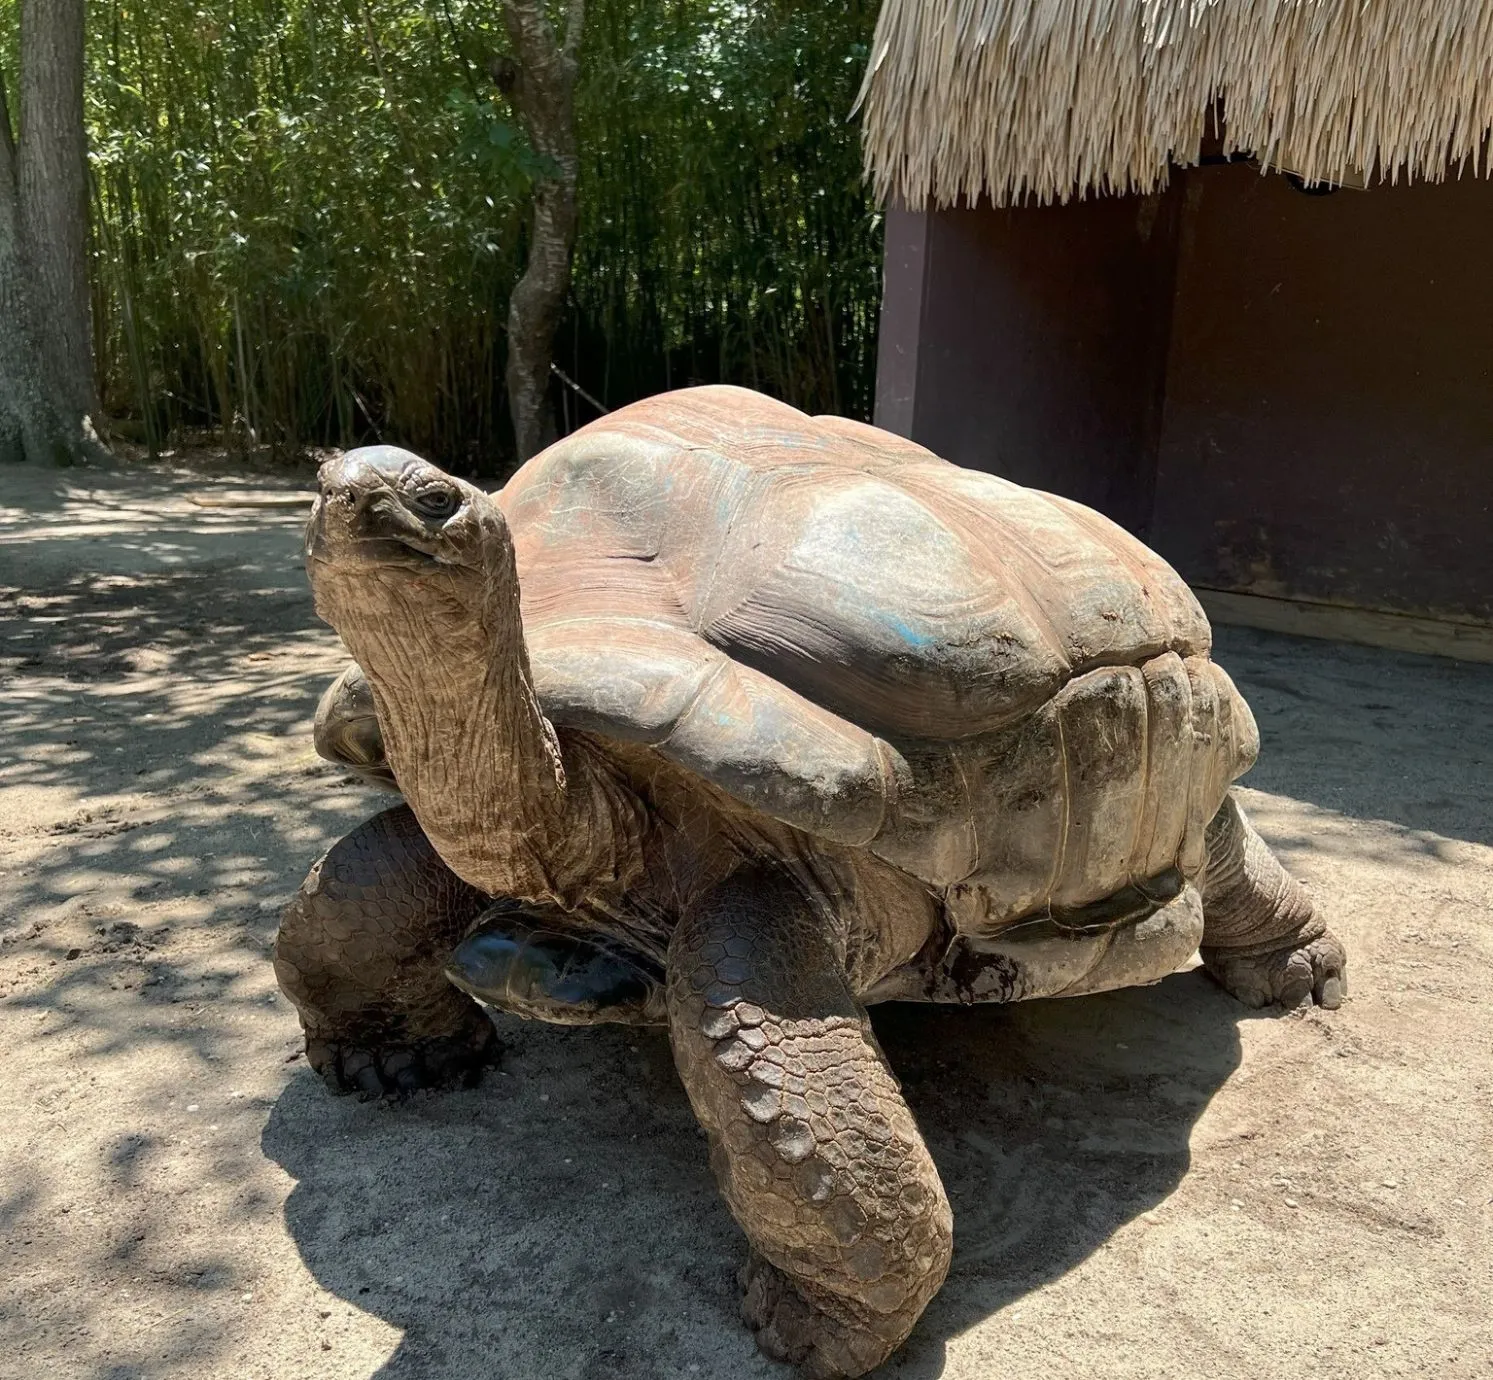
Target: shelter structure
x,y
1222,269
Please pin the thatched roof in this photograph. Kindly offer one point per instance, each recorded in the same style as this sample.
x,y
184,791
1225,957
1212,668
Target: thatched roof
x,y
1056,98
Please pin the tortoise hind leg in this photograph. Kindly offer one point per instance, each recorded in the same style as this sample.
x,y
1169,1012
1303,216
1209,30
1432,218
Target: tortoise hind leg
x,y
1263,938
817,1154
361,953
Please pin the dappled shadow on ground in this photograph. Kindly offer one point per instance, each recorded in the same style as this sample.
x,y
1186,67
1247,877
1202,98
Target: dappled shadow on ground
x,y
156,690
159,663
556,1232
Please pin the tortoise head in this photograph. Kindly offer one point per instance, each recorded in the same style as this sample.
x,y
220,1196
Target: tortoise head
x,y
415,570
383,509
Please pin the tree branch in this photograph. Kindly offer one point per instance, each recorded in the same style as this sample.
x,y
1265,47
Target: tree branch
x,y
461,56
375,52
7,142
540,82
575,20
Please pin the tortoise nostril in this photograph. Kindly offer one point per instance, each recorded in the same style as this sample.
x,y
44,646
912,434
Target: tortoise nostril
x,y
381,505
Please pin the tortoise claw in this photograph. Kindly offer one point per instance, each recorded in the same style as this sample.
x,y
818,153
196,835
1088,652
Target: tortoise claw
x,y
397,1070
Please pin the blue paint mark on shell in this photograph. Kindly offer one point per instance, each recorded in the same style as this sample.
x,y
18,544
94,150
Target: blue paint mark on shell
x,y
909,635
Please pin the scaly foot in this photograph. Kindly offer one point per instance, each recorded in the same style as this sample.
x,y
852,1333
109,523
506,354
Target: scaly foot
x,y
1290,976
788,1328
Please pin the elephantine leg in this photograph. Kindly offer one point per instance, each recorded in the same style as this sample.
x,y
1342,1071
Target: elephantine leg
x,y
1263,938
361,952
816,1152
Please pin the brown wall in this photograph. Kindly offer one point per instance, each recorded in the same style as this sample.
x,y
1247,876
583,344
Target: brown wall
x,y
1329,402
1033,343
1285,394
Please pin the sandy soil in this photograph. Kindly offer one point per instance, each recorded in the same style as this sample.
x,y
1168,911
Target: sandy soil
x,y
1153,1183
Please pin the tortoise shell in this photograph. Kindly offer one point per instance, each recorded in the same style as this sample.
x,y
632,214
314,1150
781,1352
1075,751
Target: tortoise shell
x,y
995,689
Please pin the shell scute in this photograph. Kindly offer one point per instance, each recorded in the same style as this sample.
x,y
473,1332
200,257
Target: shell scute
x,y
906,594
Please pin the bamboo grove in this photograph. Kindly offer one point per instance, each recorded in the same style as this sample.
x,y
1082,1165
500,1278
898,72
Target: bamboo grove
x,y
308,214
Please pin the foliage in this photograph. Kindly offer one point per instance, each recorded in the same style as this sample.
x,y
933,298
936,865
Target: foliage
x,y
306,214
749,251
309,213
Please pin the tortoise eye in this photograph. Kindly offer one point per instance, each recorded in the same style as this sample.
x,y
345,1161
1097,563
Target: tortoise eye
x,y
435,502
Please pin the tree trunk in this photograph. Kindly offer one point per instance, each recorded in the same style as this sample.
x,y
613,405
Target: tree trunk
x,y
31,427
541,85
46,348
54,188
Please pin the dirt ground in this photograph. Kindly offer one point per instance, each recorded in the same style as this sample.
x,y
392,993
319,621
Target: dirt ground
x,y
1152,1183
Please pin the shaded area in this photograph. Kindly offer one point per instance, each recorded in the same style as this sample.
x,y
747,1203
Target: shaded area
x,y
1053,1123
546,1223
157,689
1284,395
559,1221
1367,732
159,664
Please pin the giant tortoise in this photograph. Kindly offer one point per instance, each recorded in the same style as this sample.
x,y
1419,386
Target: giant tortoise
x,y
726,717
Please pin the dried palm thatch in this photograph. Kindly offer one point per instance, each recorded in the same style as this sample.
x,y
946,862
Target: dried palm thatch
x,y
1051,99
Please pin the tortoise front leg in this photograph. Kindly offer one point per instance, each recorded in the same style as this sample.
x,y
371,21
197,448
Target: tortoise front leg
x,y
361,952
816,1152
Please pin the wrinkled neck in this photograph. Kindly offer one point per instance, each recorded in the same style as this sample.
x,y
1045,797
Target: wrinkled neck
x,y
474,755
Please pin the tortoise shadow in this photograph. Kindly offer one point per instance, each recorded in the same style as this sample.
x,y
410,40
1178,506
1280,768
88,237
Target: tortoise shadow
x,y
1053,1123
561,1220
